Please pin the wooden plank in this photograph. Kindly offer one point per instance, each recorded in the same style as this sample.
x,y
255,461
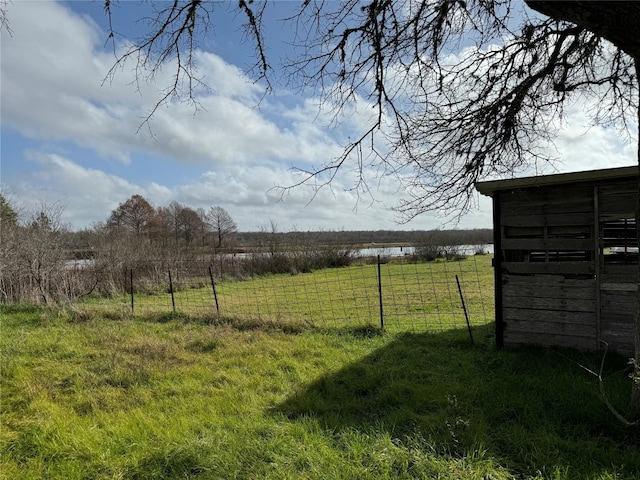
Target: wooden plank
x,y
547,207
525,219
618,303
628,270
553,304
619,337
619,287
620,296
554,231
582,318
612,187
619,329
557,328
549,340
541,280
616,215
570,231
592,178
610,317
570,268
549,195
629,277
581,292
618,325
618,201
522,232
620,310
555,244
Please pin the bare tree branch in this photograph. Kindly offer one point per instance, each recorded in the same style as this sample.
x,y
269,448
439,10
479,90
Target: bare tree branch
x,y
449,119
603,391
172,39
4,19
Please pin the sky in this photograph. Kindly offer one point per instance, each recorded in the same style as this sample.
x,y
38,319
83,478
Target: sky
x,y
71,136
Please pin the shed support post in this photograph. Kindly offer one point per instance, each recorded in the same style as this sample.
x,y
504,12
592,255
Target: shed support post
x,y
597,254
497,268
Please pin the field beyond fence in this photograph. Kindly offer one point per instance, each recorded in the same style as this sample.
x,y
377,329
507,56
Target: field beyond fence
x,y
397,295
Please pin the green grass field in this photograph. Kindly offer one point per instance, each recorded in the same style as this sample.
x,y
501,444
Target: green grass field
x,y
90,395
415,297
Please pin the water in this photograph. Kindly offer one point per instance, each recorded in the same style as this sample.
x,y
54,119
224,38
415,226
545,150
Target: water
x,y
402,251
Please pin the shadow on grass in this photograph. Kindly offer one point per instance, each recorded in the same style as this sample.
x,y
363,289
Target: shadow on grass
x,y
534,411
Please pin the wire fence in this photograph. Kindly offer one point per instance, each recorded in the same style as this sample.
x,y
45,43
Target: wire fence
x,y
396,295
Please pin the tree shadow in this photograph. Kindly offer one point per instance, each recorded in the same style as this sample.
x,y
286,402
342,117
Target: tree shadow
x,y
532,410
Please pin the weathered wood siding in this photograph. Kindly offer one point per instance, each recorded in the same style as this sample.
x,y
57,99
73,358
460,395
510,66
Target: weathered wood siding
x,y
618,280
559,286
549,310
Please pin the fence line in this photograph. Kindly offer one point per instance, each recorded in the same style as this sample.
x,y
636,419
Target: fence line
x,y
400,295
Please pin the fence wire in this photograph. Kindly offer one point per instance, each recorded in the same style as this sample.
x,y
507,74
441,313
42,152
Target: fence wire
x,y
399,295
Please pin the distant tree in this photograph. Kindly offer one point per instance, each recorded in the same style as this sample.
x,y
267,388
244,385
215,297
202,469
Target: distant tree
x,y
221,224
41,222
439,244
9,243
204,225
135,215
8,215
40,251
171,216
164,228
190,224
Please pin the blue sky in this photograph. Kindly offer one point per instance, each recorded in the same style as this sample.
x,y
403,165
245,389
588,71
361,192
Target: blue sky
x,y
71,140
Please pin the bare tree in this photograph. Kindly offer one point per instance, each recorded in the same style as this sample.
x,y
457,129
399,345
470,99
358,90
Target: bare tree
x,y
459,90
135,215
181,222
222,225
202,225
40,252
190,224
4,21
175,209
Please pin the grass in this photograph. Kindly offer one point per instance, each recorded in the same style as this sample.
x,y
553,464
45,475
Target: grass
x,y
174,397
415,296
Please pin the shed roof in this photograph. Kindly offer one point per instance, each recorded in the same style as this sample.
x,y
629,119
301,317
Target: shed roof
x,y
489,187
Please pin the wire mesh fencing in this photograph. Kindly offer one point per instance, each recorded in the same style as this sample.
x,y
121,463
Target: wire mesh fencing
x,y
396,295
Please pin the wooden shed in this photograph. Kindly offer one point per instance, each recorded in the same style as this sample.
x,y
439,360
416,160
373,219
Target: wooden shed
x,y
566,258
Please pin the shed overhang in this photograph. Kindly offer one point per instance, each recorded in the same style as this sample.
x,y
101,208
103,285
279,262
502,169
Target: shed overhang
x,y
489,187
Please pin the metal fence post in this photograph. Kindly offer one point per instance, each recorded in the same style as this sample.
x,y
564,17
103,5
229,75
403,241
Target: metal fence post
x,y
131,285
173,300
380,296
213,286
464,307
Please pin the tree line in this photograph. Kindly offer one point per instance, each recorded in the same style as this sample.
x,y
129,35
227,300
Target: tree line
x,y
371,238
174,224
38,251
42,260
178,225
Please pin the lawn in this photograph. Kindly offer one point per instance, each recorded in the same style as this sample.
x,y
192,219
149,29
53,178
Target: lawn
x,y
173,396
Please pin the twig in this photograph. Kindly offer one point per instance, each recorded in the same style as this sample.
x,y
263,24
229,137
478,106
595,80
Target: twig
x,y
603,393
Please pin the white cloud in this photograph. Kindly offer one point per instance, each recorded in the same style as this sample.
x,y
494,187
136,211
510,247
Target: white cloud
x,y
583,146
52,71
88,195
